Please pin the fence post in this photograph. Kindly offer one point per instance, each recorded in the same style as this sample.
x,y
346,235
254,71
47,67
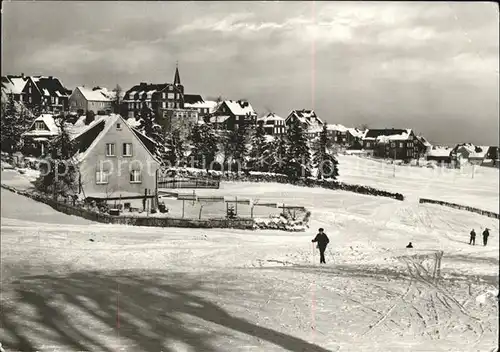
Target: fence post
x,y
183,208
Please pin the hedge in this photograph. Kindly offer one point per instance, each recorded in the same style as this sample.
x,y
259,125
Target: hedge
x,y
487,213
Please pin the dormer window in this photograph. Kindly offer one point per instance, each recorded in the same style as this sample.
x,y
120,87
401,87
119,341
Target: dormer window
x,y
118,126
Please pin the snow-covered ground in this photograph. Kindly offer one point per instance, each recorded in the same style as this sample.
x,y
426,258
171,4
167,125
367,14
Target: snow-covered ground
x,y
70,285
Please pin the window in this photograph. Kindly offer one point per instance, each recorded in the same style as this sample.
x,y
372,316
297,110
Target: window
x,y
393,145
110,149
164,95
127,149
118,126
101,177
367,144
135,176
170,88
164,104
29,90
171,96
401,145
29,99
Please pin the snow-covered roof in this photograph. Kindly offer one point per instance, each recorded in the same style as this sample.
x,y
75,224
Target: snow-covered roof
x,y
336,127
308,117
424,141
133,122
480,152
108,120
439,151
209,104
270,117
240,108
101,94
356,132
46,92
388,135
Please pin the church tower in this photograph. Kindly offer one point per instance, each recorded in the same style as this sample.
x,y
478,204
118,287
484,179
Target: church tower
x,y
177,77
179,86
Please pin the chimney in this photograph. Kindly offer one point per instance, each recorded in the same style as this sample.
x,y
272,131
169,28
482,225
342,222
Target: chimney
x,y
22,75
143,84
50,77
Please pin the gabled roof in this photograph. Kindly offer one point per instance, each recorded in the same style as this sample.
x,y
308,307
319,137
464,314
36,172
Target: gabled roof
x,y
355,132
336,127
101,94
209,104
48,120
387,134
88,138
480,152
50,86
240,107
14,84
424,141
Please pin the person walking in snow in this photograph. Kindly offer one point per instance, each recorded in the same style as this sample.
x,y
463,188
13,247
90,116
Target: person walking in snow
x,y
472,237
486,234
409,245
322,240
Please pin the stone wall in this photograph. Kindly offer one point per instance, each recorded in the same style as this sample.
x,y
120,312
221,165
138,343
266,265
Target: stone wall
x,y
487,213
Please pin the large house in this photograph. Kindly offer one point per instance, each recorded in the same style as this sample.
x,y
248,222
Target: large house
x,y
114,159
308,119
272,124
46,93
96,99
391,143
229,115
195,101
158,97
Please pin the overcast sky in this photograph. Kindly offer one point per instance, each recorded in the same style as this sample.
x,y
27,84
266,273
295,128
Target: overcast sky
x,y
432,67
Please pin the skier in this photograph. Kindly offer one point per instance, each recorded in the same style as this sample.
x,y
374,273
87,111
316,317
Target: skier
x,y
322,240
409,245
486,233
472,237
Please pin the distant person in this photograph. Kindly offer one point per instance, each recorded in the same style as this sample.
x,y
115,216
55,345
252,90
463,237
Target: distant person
x,y
486,234
472,237
322,240
409,245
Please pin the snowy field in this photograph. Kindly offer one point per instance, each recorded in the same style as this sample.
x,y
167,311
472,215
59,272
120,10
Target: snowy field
x,y
72,285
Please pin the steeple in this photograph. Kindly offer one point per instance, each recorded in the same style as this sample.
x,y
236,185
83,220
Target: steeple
x,y
177,78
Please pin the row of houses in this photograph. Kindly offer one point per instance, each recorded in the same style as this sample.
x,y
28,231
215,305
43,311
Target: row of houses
x,y
173,108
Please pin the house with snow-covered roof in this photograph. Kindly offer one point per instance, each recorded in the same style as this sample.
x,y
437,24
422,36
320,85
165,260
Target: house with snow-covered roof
x,y
229,115
440,154
84,99
36,140
308,119
115,159
391,143
45,92
272,124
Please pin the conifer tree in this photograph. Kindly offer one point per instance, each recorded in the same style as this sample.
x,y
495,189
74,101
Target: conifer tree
x,y
15,120
240,143
259,150
276,156
324,159
204,146
149,127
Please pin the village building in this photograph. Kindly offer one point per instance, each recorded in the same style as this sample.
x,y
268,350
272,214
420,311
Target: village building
x,y
391,143
310,122
96,100
158,97
272,124
439,154
114,160
229,115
